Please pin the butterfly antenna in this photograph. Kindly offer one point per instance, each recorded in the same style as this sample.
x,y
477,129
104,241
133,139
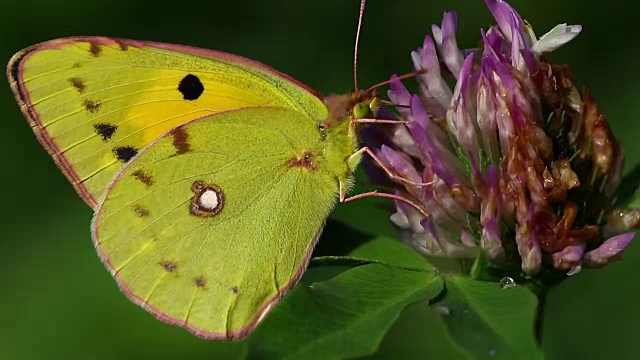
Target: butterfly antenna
x,y
400,78
355,51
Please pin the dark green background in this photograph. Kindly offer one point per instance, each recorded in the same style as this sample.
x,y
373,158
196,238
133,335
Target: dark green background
x,y
56,299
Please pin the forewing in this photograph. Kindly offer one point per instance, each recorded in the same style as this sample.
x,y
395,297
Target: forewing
x,y
216,271
95,102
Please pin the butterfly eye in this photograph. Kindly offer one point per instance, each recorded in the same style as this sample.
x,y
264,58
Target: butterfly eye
x,y
360,110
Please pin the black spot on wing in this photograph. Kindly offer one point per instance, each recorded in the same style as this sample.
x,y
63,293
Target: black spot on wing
x,y
95,49
143,177
190,87
181,141
200,282
169,266
123,46
78,84
105,131
91,106
141,211
125,153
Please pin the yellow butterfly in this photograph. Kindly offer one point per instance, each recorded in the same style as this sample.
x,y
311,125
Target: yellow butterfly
x,y
211,175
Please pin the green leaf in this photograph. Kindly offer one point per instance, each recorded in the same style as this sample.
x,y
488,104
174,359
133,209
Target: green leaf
x,y
343,317
348,261
380,250
391,252
419,333
488,321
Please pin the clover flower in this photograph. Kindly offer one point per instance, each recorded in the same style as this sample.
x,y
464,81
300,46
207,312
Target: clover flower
x,y
513,162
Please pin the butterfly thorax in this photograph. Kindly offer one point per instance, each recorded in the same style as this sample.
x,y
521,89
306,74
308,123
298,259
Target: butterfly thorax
x,y
340,133
346,107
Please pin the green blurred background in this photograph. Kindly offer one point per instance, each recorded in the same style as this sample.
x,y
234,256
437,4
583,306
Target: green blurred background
x,y
56,299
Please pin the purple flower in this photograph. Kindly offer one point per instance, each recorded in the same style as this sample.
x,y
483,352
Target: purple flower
x,y
522,165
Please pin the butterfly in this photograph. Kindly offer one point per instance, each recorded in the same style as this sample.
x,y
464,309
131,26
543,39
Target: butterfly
x,y
211,175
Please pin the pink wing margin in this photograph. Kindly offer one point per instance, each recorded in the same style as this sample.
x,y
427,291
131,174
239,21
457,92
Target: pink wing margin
x,y
15,72
237,335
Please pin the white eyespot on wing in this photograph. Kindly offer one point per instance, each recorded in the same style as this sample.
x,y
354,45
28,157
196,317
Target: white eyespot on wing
x,y
207,201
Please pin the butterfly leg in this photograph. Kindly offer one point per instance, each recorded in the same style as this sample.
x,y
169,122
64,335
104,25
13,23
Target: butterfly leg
x,y
379,121
357,156
344,199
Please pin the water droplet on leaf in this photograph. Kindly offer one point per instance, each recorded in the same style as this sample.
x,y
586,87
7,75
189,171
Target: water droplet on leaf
x,y
441,310
492,352
507,283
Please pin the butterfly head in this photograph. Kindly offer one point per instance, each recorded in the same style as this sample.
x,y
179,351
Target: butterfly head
x,y
366,106
344,108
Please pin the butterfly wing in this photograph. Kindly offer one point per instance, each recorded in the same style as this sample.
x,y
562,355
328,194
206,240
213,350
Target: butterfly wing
x,y
95,102
211,238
